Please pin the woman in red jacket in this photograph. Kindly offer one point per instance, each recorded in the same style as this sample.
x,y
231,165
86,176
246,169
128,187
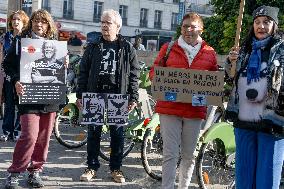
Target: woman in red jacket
x,y
181,122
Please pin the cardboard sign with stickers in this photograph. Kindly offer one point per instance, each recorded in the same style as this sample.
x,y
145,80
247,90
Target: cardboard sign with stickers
x,y
201,88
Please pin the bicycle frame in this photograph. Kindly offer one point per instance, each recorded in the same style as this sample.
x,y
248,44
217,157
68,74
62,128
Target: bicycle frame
x,y
223,131
71,109
153,124
136,124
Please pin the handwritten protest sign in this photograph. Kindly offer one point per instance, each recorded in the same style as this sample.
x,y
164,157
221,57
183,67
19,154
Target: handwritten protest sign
x,y
200,88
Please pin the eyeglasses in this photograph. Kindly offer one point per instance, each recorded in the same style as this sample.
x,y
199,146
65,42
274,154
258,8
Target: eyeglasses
x,y
191,27
43,21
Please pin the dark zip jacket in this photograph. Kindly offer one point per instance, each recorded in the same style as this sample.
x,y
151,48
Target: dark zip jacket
x,y
129,69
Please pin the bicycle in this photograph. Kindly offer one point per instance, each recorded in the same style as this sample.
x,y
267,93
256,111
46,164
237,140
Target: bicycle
x,y
151,149
69,115
71,134
133,132
215,162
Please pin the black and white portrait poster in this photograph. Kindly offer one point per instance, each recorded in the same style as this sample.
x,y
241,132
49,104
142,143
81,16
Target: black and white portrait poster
x,y
95,105
42,71
117,111
93,108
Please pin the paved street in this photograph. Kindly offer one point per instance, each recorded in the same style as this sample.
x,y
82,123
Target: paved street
x,y
64,167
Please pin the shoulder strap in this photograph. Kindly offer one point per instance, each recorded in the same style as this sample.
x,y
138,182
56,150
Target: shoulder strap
x,y
169,49
165,58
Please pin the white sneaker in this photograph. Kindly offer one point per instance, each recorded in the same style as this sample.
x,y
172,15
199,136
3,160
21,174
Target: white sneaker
x,y
88,175
16,138
4,138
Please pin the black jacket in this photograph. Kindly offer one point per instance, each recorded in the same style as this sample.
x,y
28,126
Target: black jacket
x,y
129,69
11,64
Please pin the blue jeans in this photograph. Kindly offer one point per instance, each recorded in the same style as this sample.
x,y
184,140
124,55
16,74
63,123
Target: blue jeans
x,y
116,144
259,160
10,126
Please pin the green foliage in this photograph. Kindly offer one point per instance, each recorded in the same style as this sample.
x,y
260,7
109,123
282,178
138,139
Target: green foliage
x,y
220,33
281,22
230,8
226,8
220,29
178,32
212,33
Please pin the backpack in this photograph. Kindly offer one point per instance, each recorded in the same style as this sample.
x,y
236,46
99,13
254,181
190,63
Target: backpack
x,y
165,58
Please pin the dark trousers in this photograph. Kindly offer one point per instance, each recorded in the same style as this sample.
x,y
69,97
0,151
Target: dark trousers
x,y
10,126
116,144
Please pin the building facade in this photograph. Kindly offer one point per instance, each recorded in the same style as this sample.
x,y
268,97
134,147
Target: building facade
x,y
137,15
155,18
3,16
203,7
147,17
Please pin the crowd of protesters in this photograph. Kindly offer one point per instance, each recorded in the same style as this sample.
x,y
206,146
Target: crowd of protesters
x,y
110,65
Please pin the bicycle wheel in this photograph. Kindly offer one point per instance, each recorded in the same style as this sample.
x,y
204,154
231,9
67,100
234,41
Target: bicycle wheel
x,y
152,102
152,153
67,131
135,117
105,149
2,110
212,166
232,185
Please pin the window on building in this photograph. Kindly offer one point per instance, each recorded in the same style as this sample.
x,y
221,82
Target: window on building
x,y
158,19
68,11
123,13
98,9
144,18
176,1
174,24
46,5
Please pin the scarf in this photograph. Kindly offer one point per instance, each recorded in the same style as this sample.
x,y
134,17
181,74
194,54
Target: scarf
x,y
35,36
189,50
254,65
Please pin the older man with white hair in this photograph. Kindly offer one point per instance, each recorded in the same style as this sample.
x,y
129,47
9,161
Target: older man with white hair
x,y
109,65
